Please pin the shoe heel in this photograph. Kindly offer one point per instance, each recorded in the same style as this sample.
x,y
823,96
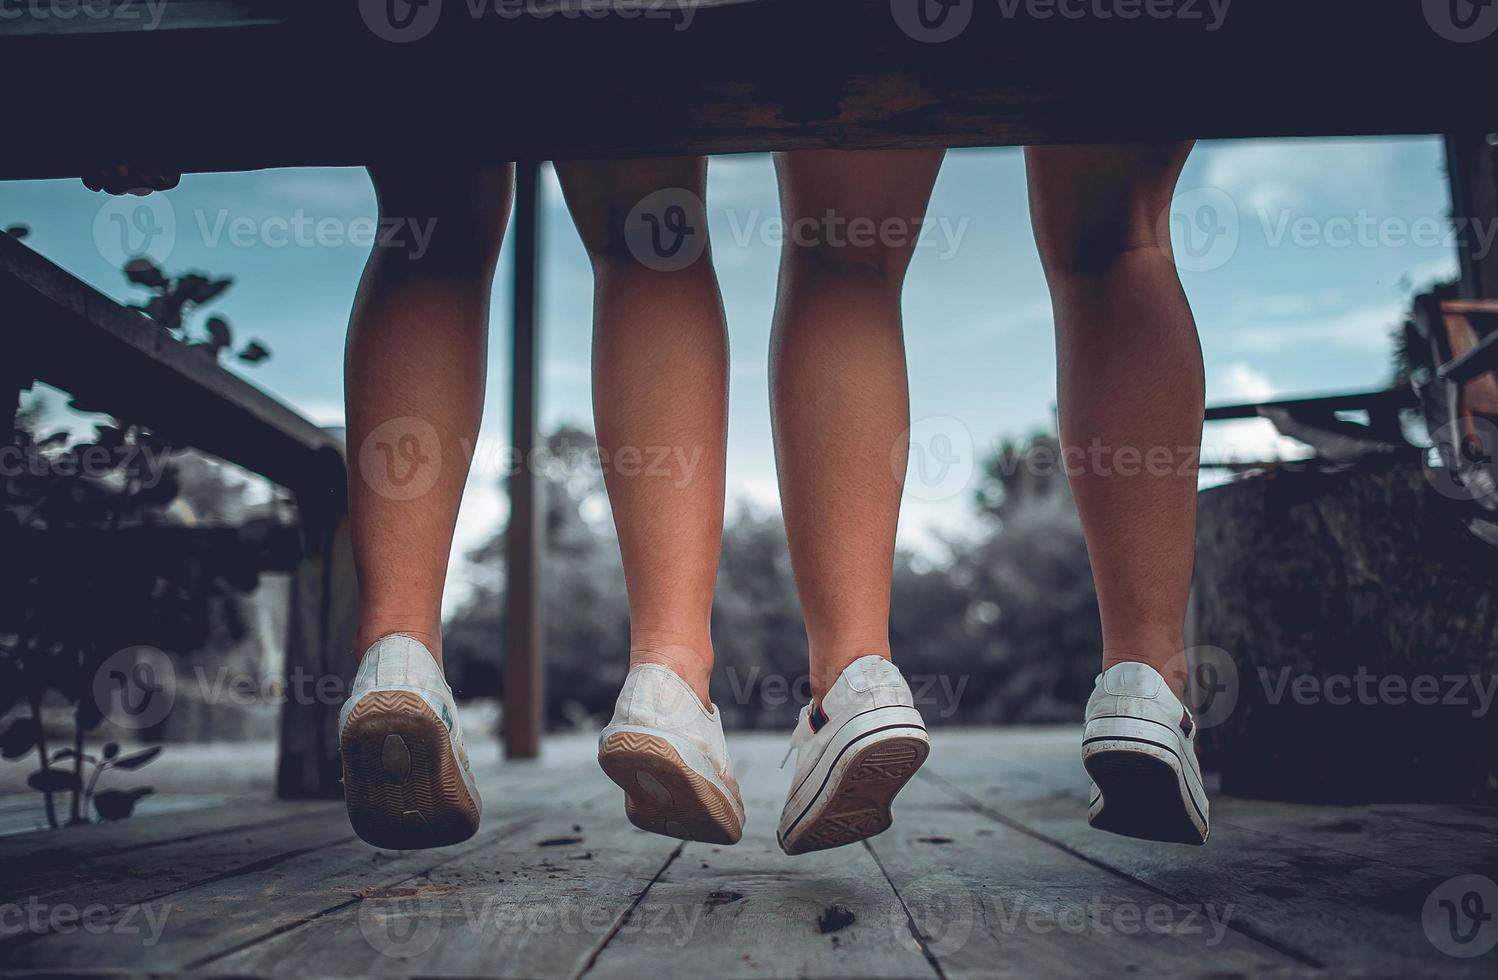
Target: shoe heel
x,y
664,795
1141,783
858,804
401,782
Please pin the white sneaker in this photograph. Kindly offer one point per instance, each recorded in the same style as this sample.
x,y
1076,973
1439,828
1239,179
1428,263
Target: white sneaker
x,y
668,755
405,774
1139,748
855,751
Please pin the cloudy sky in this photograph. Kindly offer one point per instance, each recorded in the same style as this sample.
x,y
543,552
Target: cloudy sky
x,y
1299,257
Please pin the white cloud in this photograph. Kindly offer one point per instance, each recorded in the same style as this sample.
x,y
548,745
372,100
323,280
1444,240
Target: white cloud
x,y
1249,440
1241,382
1364,329
1298,174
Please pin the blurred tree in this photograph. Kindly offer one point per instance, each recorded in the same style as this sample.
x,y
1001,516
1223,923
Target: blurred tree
x,y
1004,631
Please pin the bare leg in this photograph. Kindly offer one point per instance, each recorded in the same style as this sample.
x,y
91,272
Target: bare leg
x,y
660,385
1130,382
414,382
839,397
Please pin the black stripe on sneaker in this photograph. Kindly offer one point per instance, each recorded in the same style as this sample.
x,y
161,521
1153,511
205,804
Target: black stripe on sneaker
x,y
1144,741
820,789
1152,721
845,723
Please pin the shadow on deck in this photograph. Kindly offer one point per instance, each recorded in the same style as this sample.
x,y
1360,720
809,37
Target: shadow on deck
x,y
990,870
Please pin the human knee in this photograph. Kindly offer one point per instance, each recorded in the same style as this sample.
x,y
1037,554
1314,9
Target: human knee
x,y
636,216
856,252
1092,244
444,219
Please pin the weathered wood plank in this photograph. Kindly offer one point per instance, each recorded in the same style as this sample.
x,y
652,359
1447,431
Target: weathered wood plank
x,y
537,904
1338,909
187,927
138,875
60,330
68,846
845,73
990,854
752,911
990,901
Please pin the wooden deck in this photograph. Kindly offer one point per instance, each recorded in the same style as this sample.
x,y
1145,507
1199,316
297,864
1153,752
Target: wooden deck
x,y
990,870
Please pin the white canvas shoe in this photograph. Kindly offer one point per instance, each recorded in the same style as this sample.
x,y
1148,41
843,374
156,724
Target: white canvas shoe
x,y
405,773
854,752
1139,748
666,751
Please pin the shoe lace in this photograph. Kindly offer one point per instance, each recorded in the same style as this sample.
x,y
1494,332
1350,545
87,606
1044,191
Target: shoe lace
x,y
800,736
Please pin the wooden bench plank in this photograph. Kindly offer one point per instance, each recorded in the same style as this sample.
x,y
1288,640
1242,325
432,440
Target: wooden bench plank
x,y
845,74
60,330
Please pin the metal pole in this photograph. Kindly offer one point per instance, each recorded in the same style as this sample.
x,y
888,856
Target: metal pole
x,y
522,671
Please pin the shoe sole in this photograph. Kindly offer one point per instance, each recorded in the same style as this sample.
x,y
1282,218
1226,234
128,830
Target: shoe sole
x,y
401,781
1141,792
664,795
855,803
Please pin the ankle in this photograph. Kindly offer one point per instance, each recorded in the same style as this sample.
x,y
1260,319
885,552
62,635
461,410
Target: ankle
x,y
692,661
1169,660
827,666
427,635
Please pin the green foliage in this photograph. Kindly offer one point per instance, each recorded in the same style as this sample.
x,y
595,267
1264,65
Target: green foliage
x,y
63,613
71,597
174,300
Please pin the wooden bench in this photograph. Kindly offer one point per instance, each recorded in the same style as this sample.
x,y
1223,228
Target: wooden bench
x,y
266,83
272,83
61,331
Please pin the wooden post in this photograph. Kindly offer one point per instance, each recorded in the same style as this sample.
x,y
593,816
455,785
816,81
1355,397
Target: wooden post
x,y
11,386
320,629
13,381
522,672
1474,199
